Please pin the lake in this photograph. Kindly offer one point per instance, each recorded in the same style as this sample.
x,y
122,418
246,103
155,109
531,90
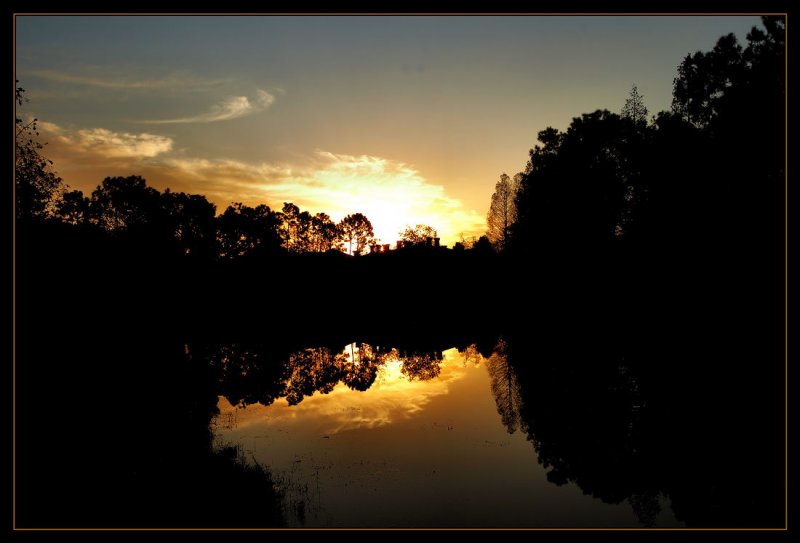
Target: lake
x,y
563,419
413,451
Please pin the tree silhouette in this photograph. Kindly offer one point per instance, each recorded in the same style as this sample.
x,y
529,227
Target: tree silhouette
x,y
482,246
703,80
503,211
356,232
73,208
295,228
735,98
35,183
577,185
190,219
243,231
652,338
124,203
418,234
302,233
634,108
323,233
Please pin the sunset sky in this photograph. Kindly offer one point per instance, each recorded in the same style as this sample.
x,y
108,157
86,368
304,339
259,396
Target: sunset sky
x,y
405,119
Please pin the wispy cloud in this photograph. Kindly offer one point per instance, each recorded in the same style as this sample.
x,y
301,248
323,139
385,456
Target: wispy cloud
x,y
230,108
111,81
107,143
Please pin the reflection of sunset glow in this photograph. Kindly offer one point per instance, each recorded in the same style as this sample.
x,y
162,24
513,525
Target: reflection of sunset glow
x,y
393,396
390,373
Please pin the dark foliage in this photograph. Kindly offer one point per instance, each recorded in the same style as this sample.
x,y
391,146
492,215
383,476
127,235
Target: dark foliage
x,y
639,292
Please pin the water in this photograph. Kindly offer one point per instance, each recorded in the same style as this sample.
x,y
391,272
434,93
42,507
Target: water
x,y
433,450
555,426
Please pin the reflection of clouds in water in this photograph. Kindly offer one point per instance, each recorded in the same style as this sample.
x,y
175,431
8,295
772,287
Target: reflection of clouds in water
x,y
393,396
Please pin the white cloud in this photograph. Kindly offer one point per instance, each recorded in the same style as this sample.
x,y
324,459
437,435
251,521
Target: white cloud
x,y
123,144
107,143
230,108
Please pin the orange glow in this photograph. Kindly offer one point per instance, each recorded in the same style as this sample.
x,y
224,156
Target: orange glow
x,y
390,194
392,397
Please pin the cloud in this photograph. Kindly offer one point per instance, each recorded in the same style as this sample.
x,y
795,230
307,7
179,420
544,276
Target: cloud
x,y
392,398
116,82
391,194
107,143
230,108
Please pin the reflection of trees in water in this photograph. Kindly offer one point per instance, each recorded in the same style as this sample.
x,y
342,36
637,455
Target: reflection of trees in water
x,y
421,367
584,420
583,416
246,375
505,387
312,370
133,440
645,506
472,355
611,417
258,374
361,366
604,410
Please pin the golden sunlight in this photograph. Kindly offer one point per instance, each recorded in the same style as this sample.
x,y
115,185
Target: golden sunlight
x,y
392,397
391,194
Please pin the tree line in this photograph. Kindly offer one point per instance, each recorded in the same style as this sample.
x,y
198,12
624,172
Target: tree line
x,y
708,172
127,206
251,373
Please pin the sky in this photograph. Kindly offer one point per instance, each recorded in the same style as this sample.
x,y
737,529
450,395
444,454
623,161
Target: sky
x,y
407,119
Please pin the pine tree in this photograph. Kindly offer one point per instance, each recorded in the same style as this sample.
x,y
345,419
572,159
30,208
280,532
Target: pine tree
x,y
634,107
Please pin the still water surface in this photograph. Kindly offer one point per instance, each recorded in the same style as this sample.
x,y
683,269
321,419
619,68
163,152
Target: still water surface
x,y
411,451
